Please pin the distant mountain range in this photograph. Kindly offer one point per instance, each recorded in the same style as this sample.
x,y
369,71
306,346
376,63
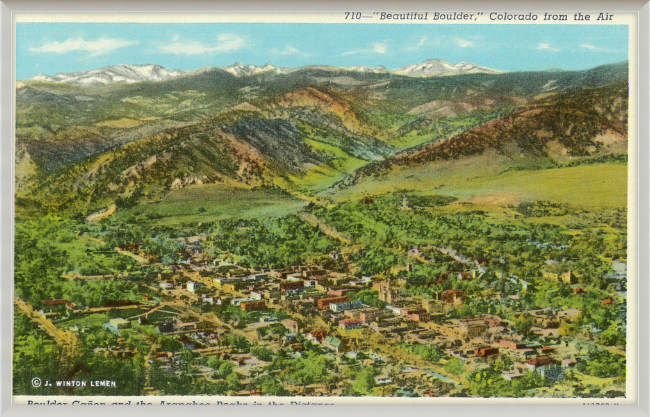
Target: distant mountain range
x,y
316,132
117,73
137,73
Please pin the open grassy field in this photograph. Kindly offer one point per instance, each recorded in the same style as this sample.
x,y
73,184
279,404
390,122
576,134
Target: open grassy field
x,y
201,203
324,176
596,186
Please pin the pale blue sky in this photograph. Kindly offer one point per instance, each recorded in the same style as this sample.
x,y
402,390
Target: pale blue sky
x,y
51,48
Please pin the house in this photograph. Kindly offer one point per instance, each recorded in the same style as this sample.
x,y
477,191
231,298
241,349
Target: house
x,y
512,344
370,315
166,326
316,336
566,277
324,303
350,324
292,287
383,379
420,316
207,299
166,285
333,343
120,323
338,291
253,306
187,342
378,357
578,291
290,324
511,375
567,363
607,302
184,326
553,372
395,309
485,351
295,277
433,306
193,286
338,307
458,329
454,296
538,362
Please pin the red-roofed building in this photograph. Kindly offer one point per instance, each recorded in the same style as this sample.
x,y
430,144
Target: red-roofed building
x,y
350,324
607,302
578,291
538,362
253,306
485,351
317,335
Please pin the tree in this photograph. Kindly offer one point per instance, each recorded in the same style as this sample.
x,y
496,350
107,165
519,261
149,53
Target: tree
x,y
364,382
233,381
524,325
455,366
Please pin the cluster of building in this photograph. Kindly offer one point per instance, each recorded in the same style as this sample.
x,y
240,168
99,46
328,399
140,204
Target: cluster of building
x,y
328,293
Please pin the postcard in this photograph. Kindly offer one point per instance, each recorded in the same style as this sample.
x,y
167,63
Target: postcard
x,y
335,208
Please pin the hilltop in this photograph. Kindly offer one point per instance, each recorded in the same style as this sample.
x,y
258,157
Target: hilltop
x,y
566,129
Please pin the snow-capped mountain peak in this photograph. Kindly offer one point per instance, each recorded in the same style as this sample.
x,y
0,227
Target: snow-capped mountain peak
x,y
118,73
440,67
240,70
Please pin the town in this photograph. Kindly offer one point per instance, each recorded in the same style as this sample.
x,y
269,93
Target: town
x,y
324,328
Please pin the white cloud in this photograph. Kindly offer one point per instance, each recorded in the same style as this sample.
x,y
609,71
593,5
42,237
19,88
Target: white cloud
x,y
379,48
225,42
547,47
424,41
373,48
229,42
99,47
290,50
175,38
598,49
465,43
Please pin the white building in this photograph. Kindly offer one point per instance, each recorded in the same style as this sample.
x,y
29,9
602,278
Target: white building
x,y
193,286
